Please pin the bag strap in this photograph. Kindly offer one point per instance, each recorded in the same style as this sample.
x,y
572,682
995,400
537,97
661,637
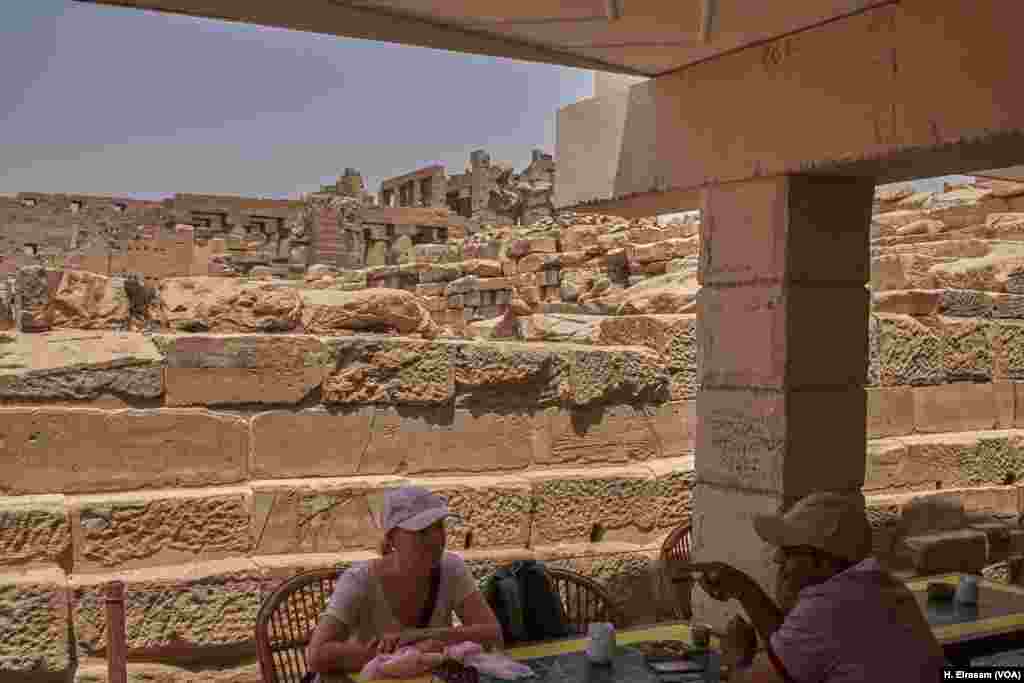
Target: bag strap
x,y
428,609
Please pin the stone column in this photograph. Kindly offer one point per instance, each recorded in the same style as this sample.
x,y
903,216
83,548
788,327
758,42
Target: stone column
x,y
783,332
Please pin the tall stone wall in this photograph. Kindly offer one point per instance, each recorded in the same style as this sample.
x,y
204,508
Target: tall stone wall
x,y
203,470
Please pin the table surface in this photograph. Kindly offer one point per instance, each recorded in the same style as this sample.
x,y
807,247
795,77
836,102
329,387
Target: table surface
x,y
564,659
1000,610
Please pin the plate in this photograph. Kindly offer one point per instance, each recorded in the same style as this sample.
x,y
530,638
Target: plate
x,y
656,650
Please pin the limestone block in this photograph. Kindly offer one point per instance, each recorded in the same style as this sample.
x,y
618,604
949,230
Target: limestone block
x,y
206,370
203,609
89,301
463,285
554,327
890,412
129,377
959,407
909,352
442,272
617,374
482,442
430,253
574,506
664,250
34,531
496,283
316,516
310,443
963,459
770,336
390,371
1008,305
610,436
1006,402
127,531
377,253
551,277
883,466
1005,226
897,219
543,245
951,551
495,512
508,374
430,290
34,638
908,301
968,349
533,263
456,300
372,310
963,303
435,304
34,288
471,299
482,268
874,360
579,236
217,304
82,450
1008,349
771,441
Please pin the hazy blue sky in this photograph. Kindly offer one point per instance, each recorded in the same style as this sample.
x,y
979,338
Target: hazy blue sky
x,y
111,101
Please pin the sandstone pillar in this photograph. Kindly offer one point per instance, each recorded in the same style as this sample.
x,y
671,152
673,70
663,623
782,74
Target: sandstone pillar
x,y
783,332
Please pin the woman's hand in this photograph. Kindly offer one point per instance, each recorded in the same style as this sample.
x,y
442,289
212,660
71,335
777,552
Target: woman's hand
x,y
387,643
722,581
430,645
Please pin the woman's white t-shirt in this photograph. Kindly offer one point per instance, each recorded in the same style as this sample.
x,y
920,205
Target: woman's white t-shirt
x,y
359,603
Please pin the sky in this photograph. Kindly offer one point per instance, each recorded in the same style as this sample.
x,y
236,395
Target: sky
x,y
105,100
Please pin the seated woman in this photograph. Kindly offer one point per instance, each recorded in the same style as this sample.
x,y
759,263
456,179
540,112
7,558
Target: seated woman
x,y
375,600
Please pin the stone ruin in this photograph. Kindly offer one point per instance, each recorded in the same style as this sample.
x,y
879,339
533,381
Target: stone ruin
x,y
212,436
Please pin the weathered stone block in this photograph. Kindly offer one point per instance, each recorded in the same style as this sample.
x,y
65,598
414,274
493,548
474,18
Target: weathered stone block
x,y
206,370
909,352
890,412
771,441
198,610
309,443
885,459
931,514
616,374
959,407
371,310
1008,349
574,506
508,374
390,371
495,512
34,288
316,516
34,638
595,436
771,336
217,304
968,349
83,450
964,303
1006,404
34,531
127,531
482,442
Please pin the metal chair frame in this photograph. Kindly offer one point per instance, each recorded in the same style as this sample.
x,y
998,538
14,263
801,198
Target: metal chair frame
x,y
675,551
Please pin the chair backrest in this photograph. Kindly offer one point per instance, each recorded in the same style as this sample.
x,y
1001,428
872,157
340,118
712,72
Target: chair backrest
x,y
286,621
585,601
675,551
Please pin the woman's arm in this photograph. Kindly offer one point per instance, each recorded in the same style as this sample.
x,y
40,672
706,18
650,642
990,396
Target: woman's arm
x,y
329,649
478,624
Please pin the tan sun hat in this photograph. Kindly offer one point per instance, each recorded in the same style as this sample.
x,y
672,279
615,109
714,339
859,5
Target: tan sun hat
x,y
835,523
412,508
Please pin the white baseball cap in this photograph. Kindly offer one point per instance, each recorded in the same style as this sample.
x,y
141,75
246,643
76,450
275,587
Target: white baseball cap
x,y
412,508
835,523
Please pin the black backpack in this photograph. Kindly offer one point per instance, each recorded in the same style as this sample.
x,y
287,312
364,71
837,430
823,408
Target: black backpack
x,y
525,602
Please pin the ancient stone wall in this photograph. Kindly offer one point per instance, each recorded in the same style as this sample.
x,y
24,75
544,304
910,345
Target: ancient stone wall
x,y
203,470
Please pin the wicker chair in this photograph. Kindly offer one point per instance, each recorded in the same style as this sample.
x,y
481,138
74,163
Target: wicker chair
x,y
585,601
675,551
286,621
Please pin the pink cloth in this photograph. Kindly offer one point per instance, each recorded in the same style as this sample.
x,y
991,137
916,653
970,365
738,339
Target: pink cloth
x,y
860,625
409,662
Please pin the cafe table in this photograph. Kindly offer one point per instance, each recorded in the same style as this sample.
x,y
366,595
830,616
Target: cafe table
x,y
564,659
995,624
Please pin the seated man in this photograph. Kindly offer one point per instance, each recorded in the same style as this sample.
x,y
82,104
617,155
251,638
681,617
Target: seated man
x,y
840,616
